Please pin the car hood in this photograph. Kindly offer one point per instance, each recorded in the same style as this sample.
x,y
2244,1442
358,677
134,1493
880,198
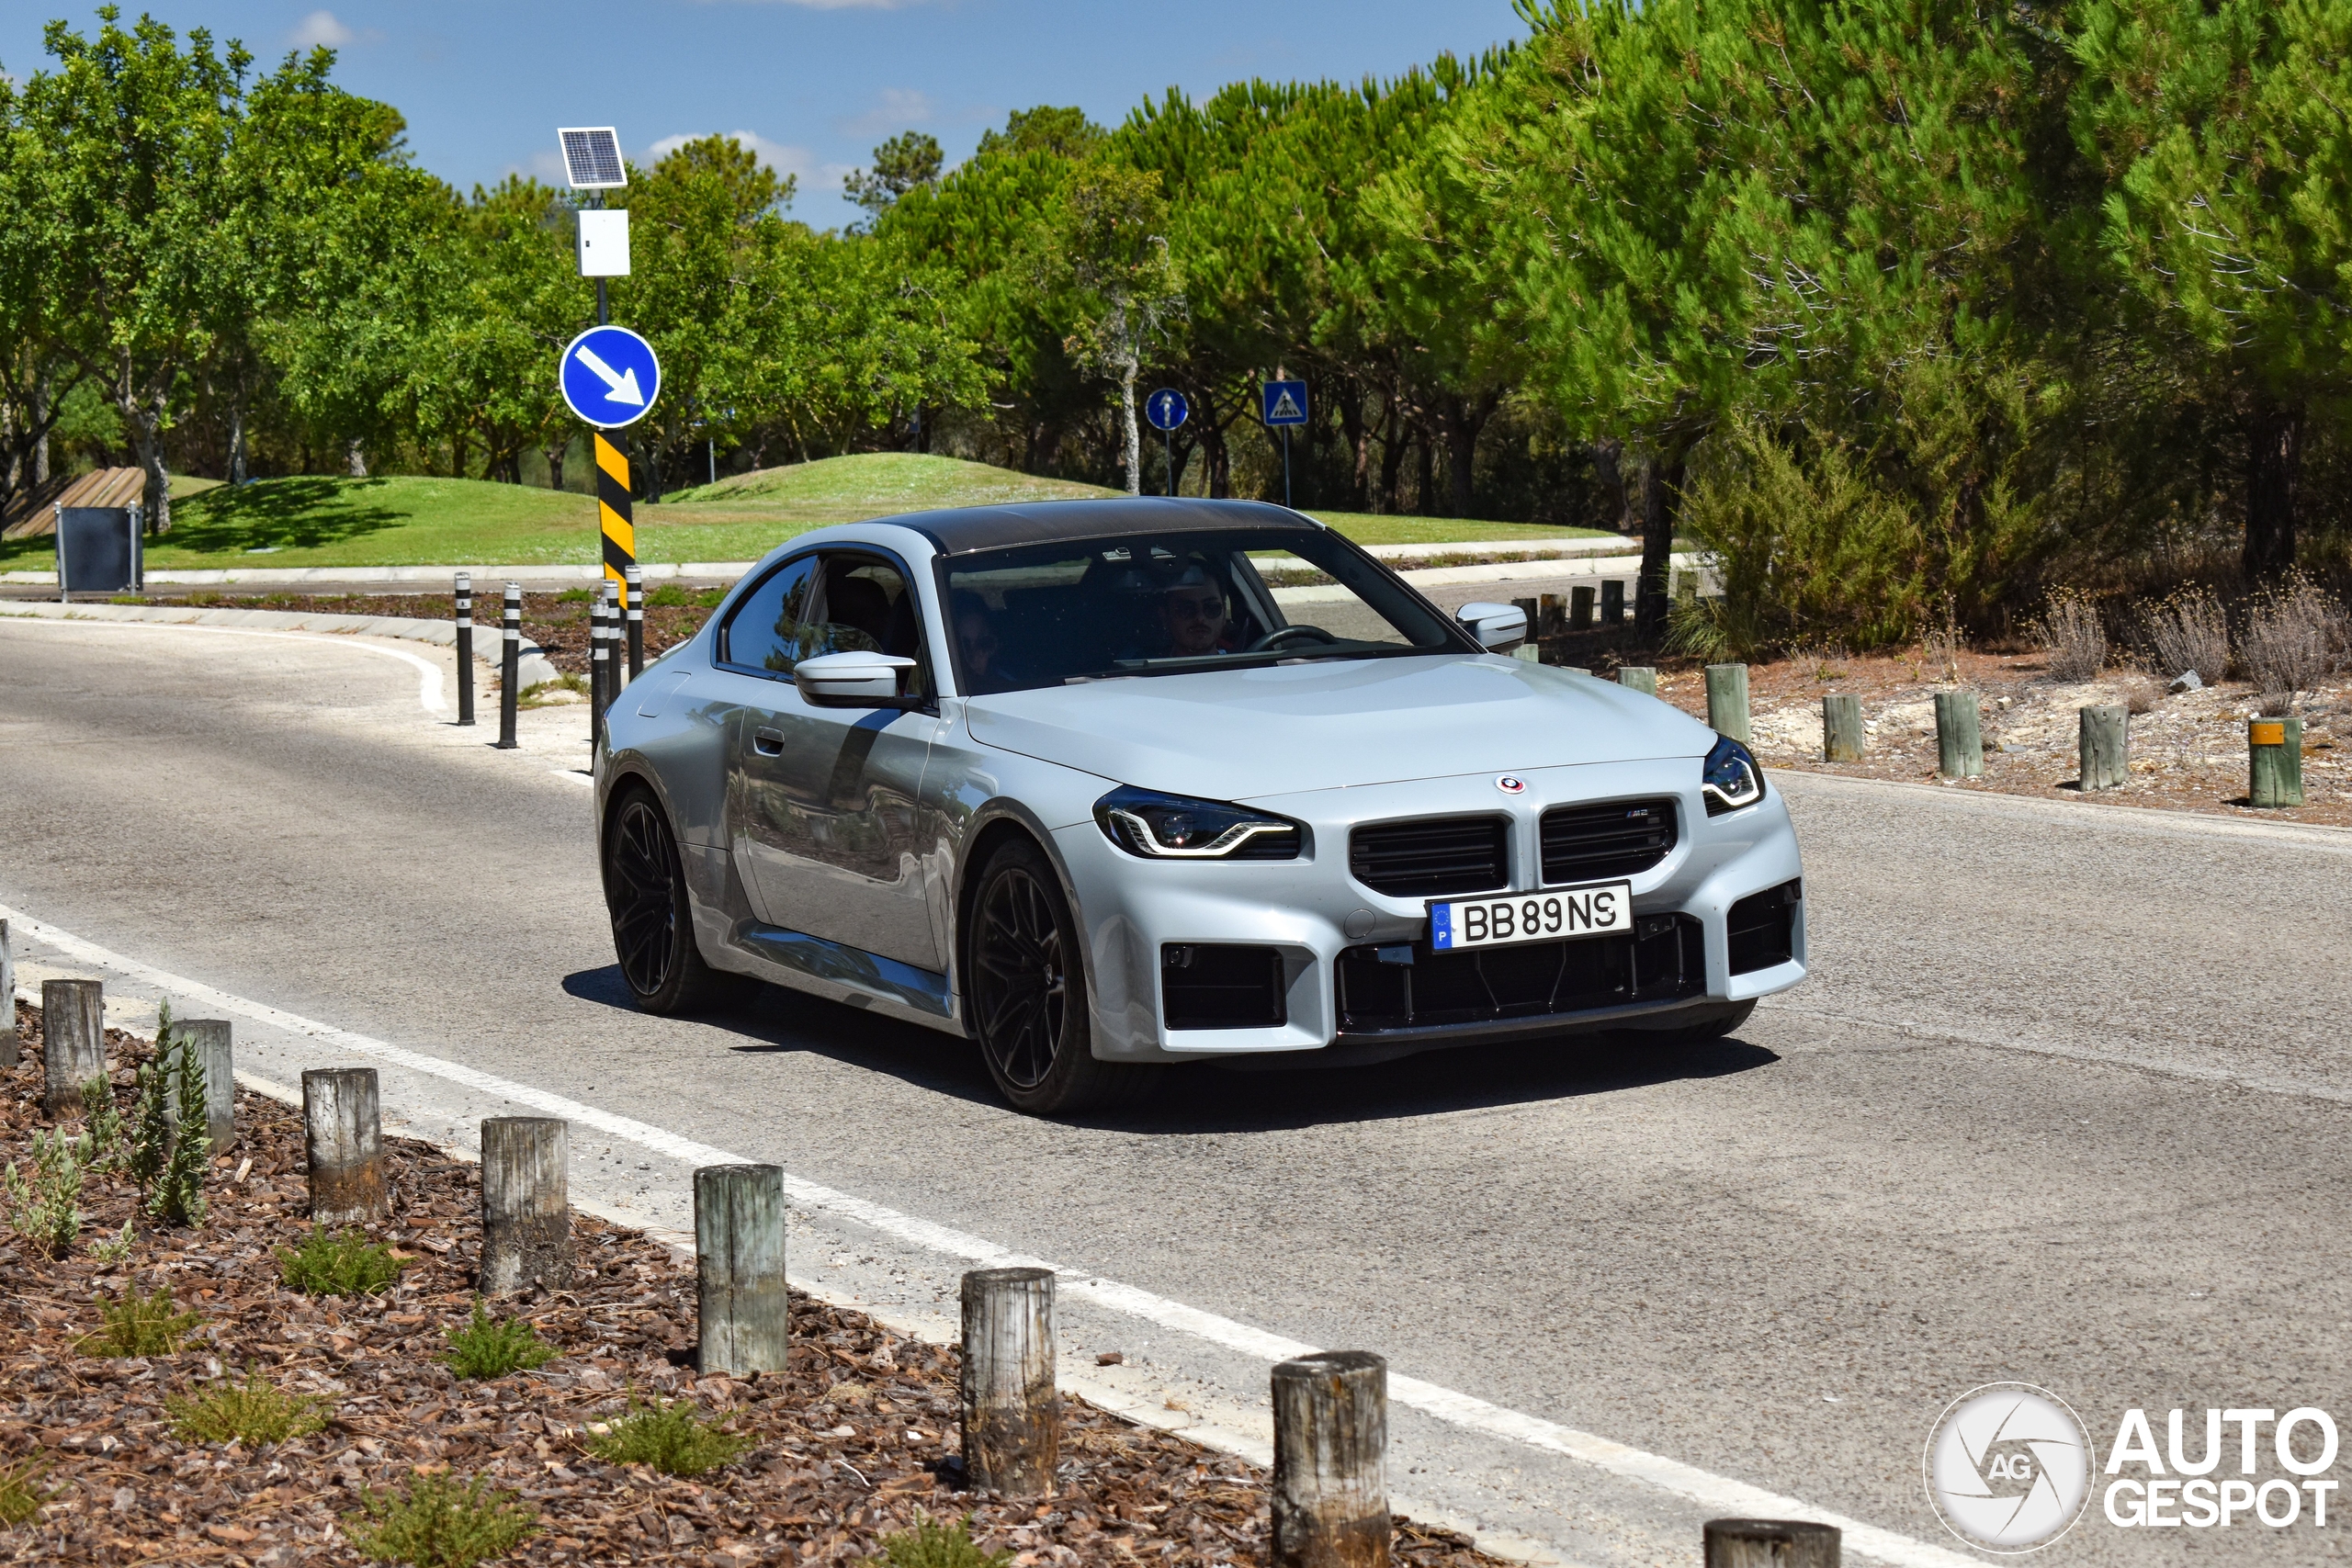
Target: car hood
x,y
1242,733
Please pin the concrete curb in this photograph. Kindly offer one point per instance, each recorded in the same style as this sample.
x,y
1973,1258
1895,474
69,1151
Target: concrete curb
x,y
535,669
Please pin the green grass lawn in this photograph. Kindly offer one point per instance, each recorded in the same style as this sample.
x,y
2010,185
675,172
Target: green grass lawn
x,y
407,520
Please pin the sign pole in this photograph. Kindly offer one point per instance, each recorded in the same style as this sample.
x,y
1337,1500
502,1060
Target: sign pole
x,y
1285,464
617,522
1168,444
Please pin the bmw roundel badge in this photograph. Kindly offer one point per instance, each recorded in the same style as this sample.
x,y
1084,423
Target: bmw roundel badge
x,y
1511,784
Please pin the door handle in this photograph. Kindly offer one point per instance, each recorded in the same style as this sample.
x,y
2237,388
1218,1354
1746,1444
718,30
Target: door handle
x,y
768,742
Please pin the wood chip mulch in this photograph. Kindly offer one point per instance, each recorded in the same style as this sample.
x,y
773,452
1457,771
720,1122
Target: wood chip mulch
x,y
850,1444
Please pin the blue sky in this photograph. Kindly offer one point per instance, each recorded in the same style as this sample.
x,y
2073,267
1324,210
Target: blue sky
x,y
812,83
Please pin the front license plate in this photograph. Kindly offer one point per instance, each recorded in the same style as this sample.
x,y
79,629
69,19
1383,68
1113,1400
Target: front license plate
x,y
1552,916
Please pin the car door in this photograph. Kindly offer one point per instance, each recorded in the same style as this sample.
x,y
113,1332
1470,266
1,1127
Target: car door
x,y
822,800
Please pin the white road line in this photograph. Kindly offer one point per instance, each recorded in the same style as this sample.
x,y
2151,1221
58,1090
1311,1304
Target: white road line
x,y
428,686
1720,1493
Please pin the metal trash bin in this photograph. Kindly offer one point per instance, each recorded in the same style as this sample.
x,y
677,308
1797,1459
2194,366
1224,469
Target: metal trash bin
x,y
98,550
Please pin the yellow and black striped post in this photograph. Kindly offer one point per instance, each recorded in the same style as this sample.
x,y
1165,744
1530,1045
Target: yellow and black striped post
x,y
613,513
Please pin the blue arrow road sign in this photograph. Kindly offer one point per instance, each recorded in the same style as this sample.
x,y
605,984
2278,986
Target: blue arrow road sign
x,y
1166,409
1285,403
609,376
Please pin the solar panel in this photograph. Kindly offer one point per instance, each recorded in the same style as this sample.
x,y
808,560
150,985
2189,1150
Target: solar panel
x,y
592,157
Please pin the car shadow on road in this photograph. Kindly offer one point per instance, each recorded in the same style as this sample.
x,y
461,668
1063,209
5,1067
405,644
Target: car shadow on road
x,y
1210,1098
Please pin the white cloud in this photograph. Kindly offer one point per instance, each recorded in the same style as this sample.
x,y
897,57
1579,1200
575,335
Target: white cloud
x,y
783,158
896,109
841,4
319,29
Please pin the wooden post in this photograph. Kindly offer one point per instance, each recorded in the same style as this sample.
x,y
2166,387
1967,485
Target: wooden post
x,y
9,1043
1012,1413
1532,650
1330,1493
525,1204
344,1137
2106,747
2274,749
1728,700
1580,607
1612,602
1841,728
1769,1544
1638,677
210,1039
73,1041
1960,746
740,1300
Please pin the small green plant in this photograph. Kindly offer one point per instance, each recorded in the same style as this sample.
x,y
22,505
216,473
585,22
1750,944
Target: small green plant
x,y
139,1325
339,1263
46,1208
433,1522
115,1248
491,1347
934,1545
102,1126
21,1492
252,1413
669,1438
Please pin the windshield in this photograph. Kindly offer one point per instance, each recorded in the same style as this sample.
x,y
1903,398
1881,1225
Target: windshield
x,y
1098,609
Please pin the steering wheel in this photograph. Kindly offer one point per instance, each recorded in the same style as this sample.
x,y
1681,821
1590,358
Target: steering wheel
x,y
1281,635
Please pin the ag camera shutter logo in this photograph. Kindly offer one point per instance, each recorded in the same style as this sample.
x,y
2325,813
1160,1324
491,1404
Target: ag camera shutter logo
x,y
2008,1467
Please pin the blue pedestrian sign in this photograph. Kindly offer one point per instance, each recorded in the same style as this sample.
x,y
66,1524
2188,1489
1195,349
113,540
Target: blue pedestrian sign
x,y
1285,403
1166,409
610,377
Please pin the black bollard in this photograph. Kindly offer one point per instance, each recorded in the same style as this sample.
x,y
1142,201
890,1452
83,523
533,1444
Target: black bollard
x,y
635,596
465,649
510,664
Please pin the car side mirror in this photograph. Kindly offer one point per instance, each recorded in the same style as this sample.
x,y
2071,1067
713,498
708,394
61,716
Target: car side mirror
x,y
1494,626
855,680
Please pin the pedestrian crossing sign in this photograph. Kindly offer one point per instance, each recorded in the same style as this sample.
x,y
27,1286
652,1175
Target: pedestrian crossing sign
x,y
1285,403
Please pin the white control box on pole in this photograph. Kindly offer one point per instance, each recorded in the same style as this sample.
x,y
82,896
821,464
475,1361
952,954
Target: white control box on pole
x,y
604,242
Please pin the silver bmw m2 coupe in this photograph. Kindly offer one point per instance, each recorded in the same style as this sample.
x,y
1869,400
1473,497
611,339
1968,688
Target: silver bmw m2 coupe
x,y
1110,786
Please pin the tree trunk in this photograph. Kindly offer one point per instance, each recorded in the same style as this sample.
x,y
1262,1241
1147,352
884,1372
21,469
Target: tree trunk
x,y
355,459
1661,502
2274,465
1359,439
1393,446
42,422
237,441
146,442
1608,455
1424,474
1129,429
555,455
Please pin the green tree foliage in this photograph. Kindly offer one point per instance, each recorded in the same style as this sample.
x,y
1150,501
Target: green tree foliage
x,y
907,160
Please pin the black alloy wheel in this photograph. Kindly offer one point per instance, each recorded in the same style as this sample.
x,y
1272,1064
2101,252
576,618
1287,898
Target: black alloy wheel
x,y
645,891
1027,991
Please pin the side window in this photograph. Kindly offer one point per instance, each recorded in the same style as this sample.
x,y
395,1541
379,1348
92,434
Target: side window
x,y
867,607
766,629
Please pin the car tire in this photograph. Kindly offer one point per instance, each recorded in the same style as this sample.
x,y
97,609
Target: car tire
x,y
653,931
1026,988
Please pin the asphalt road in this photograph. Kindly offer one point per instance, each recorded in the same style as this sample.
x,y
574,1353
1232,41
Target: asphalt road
x,y
2066,1102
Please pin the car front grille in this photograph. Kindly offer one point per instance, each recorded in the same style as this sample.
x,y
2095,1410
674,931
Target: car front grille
x,y
1663,958
1220,986
1450,855
1620,838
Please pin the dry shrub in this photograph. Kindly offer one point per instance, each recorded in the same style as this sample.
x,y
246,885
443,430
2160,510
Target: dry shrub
x,y
2294,635
2071,637
2140,695
2188,630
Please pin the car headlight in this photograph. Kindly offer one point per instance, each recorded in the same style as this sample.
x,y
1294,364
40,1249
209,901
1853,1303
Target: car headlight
x,y
1731,778
1170,826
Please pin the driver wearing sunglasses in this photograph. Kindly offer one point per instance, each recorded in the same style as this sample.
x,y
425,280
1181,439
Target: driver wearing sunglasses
x,y
1192,617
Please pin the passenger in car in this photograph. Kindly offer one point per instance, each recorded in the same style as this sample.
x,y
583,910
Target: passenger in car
x,y
976,639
